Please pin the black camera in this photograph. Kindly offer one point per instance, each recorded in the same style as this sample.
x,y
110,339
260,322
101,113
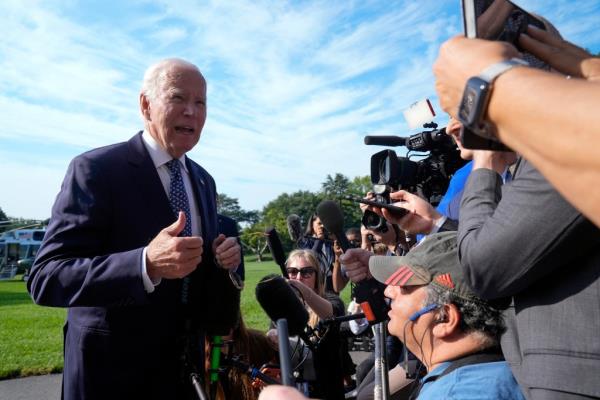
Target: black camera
x,y
428,177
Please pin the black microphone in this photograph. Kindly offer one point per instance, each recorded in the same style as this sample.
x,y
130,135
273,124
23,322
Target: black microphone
x,y
294,226
278,299
368,293
276,249
385,140
331,216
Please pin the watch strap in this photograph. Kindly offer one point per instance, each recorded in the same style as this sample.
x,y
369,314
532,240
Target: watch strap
x,y
495,70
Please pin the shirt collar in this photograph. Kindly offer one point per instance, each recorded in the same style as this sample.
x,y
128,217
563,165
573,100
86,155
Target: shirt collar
x,y
158,155
437,371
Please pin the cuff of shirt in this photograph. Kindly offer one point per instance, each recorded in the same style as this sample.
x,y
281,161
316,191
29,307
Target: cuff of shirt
x,y
438,224
149,284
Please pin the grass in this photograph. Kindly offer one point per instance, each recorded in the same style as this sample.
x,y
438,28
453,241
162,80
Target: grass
x,y
31,336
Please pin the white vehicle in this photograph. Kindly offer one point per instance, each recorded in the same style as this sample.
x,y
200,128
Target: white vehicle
x,y
18,249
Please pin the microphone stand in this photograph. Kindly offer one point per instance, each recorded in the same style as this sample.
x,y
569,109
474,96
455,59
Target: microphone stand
x,y
381,391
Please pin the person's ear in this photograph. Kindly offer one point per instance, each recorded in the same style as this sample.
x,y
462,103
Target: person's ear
x,y
447,321
145,106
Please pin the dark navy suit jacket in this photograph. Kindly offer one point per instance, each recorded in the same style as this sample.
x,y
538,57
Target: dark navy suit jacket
x,y
120,341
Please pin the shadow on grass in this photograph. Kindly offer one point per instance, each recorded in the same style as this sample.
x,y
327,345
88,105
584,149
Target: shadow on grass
x,y
14,298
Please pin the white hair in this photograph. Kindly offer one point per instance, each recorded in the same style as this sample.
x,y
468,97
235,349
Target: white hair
x,y
158,73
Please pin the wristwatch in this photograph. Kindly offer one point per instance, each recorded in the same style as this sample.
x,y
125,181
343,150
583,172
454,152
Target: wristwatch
x,y
476,96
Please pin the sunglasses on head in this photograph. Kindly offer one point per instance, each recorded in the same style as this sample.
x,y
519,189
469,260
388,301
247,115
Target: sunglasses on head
x,y
304,272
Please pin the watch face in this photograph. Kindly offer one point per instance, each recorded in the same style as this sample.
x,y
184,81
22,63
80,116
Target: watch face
x,y
472,106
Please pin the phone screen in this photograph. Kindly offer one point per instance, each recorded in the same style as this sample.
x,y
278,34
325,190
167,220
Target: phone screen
x,y
496,20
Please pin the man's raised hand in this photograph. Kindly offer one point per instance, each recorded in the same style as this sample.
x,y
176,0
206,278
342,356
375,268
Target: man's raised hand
x,y
169,256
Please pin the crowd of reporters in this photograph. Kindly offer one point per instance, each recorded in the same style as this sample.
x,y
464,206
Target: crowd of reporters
x,y
509,270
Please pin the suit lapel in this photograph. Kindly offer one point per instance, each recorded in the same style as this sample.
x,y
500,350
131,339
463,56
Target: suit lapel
x,y
148,183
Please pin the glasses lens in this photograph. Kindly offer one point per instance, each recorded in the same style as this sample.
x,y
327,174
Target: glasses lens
x,y
292,271
307,272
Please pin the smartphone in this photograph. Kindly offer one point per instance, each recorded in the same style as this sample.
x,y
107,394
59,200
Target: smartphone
x,y
496,20
397,211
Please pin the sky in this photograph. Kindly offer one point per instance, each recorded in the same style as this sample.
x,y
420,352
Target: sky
x,y
293,86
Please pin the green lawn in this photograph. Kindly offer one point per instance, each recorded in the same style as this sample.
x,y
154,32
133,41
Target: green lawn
x,y
31,336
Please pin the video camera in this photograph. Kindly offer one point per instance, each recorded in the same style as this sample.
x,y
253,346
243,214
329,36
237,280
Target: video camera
x,y
428,177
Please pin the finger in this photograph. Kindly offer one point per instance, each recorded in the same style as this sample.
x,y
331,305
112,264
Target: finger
x,y
176,227
189,242
217,242
555,41
400,195
227,244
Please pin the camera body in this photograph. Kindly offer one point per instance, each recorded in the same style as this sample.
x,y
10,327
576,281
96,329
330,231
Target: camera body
x,y
428,177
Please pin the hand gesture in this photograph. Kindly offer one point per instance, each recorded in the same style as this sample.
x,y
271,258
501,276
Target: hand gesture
x,y
227,251
561,55
421,215
356,264
169,256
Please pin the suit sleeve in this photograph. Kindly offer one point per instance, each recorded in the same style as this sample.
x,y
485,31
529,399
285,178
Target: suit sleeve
x,y
75,266
514,235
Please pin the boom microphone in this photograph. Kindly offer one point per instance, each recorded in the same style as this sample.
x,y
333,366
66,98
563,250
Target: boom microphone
x,y
276,249
331,216
278,299
294,226
388,141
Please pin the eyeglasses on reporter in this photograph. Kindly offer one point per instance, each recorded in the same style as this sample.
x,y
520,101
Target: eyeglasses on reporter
x,y
304,272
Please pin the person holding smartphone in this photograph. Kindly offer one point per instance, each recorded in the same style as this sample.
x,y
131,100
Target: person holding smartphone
x,y
524,243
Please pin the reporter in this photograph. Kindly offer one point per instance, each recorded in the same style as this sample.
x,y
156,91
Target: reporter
x,y
559,135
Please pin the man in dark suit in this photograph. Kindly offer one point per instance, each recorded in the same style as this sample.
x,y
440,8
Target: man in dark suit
x,y
133,250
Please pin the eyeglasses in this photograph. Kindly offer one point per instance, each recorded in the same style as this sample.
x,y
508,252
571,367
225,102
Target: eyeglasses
x,y
304,272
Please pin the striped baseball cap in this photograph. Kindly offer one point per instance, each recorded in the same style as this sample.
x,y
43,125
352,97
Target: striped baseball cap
x,y
434,262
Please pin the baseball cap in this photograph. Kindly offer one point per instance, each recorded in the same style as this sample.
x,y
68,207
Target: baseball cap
x,y
433,262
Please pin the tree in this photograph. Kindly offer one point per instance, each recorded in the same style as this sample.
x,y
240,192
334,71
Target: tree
x,y
230,207
336,187
3,216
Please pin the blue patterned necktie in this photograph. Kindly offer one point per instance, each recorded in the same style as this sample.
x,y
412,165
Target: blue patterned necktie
x,y
179,202
178,197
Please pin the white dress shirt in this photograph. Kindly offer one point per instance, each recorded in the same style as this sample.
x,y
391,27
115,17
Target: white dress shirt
x,y
160,158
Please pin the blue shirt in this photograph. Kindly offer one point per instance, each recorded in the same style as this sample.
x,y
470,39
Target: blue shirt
x,y
455,187
491,380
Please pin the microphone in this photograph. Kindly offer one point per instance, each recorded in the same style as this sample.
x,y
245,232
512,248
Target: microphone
x,y
331,216
368,293
389,141
276,249
278,299
294,227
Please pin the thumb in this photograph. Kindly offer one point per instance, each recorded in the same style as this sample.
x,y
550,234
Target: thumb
x,y
176,227
217,242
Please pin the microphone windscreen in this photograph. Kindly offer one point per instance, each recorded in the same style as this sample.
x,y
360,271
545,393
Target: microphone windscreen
x,y
331,216
278,299
276,248
294,226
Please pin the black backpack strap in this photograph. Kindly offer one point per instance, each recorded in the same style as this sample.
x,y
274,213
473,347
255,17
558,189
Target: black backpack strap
x,y
485,356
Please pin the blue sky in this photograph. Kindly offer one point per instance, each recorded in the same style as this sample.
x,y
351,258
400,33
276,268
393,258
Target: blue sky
x,y
293,86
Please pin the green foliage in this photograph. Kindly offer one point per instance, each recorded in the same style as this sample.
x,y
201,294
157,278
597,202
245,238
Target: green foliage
x,y
3,216
275,213
338,187
230,207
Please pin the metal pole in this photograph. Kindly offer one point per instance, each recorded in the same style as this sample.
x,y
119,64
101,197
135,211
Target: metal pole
x,y
381,390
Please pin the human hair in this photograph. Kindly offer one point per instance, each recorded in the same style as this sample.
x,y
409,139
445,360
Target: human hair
x,y
311,258
309,225
158,73
353,231
476,317
253,348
